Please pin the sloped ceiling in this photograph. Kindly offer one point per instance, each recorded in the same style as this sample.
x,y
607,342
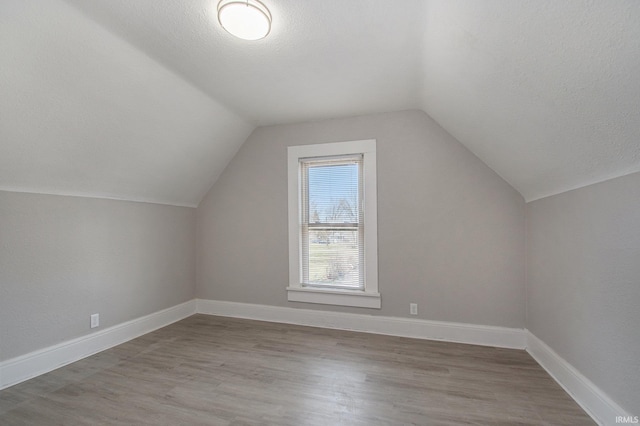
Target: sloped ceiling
x,y
149,99
547,93
82,112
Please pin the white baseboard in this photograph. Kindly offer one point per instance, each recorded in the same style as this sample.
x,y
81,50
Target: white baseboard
x,y
502,337
28,366
593,400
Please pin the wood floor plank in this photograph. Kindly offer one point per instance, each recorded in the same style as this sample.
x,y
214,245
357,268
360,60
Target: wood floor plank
x,y
208,370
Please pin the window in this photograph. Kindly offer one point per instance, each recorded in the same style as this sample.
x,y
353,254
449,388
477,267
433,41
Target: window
x,y
332,224
332,228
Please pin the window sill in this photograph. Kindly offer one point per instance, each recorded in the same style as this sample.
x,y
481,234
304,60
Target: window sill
x,y
354,298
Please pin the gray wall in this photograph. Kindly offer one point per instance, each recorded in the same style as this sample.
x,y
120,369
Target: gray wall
x,y
451,233
583,289
64,258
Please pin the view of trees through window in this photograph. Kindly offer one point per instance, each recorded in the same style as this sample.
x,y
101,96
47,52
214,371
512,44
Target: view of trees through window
x,y
334,253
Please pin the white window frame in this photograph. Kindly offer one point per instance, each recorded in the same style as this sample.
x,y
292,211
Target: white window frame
x,y
369,297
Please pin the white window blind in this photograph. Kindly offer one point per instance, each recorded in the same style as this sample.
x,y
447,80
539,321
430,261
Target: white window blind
x,y
332,228
333,240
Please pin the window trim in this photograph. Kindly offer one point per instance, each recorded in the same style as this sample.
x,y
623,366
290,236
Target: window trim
x,y
296,292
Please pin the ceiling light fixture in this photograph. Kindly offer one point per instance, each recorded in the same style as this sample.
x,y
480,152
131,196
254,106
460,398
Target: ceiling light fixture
x,y
245,19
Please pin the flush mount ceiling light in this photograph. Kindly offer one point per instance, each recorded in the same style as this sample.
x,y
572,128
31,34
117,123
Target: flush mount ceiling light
x,y
245,19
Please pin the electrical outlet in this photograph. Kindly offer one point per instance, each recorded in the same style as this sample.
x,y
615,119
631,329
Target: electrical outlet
x,y
95,320
413,308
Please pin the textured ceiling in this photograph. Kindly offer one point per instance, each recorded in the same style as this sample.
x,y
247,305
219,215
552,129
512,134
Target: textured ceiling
x,y
547,93
322,59
149,99
82,112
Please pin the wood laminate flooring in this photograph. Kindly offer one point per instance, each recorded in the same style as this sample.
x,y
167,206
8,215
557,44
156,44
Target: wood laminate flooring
x,y
208,370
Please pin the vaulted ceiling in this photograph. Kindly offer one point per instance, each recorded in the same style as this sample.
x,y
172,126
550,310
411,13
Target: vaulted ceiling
x,y
149,99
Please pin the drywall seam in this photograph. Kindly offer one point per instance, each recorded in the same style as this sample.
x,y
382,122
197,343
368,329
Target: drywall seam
x,y
96,196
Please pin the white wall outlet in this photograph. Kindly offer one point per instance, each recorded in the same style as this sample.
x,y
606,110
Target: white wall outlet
x,y
413,308
95,320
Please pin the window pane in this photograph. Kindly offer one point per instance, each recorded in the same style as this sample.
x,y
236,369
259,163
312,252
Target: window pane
x,y
334,258
333,193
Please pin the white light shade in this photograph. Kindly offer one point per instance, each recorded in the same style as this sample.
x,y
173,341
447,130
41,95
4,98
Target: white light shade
x,y
245,19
